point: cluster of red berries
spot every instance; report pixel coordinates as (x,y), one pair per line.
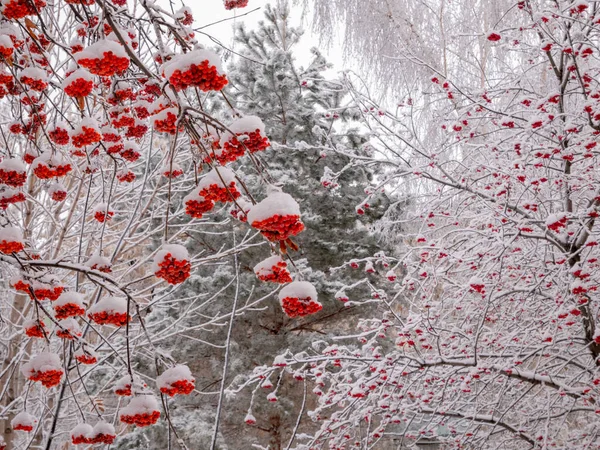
(141,420)
(23,427)
(558,224)
(16,197)
(8,247)
(126,177)
(59,136)
(218,193)
(136,131)
(110,318)
(197,207)
(48,378)
(85,358)
(67,334)
(102,438)
(166,125)
(48,292)
(279,228)
(99,438)
(173,174)
(107,66)
(130,154)
(21,285)
(13,178)
(36,331)
(113,149)
(79,88)
(299,307)
(101,268)
(172,270)
(17,9)
(58,195)
(102,216)
(122,120)
(188,19)
(203,76)
(184,387)
(125,391)
(255,142)
(34,83)
(68,310)
(44,171)
(279,274)
(88,136)
(232,4)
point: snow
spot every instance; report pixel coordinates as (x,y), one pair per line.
(11,234)
(194,195)
(129,145)
(56,187)
(49,159)
(34,73)
(110,305)
(243,125)
(278,203)
(162,115)
(79,73)
(13,164)
(183,61)
(71,325)
(6,42)
(85,122)
(299,289)
(104,427)
(70,297)
(30,323)
(11,30)
(212,177)
(99,261)
(141,404)
(123,382)
(24,419)
(42,362)
(167,167)
(102,208)
(88,352)
(554,218)
(98,49)
(169,376)
(264,267)
(82,429)
(177,251)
